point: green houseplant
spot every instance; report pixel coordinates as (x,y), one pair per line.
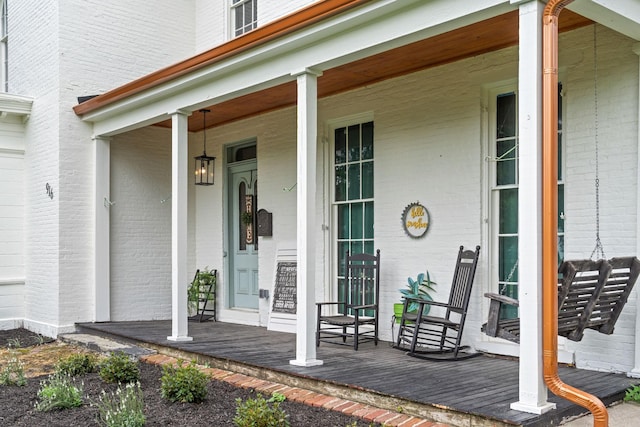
(199,289)
(416,289)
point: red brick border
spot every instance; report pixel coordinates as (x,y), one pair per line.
(307,397)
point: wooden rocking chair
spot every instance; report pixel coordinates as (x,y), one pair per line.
(591,295)
(434,337)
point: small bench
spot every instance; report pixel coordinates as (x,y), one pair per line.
(591,295)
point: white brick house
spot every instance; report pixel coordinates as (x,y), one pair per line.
(112,226)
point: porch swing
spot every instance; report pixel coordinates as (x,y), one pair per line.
(591,293)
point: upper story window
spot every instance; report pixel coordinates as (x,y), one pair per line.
(245,16)
(4,80)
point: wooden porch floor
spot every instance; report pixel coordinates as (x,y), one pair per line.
(476,391)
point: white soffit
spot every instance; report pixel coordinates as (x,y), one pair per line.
(622,16)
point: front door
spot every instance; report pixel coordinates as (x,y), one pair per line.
(243,246)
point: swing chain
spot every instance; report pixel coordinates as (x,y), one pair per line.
(504,285)
(598,250)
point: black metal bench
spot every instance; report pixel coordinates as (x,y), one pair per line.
(591,295)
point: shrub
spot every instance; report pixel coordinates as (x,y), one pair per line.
(13,372)
(184,383)
(258,413)
(77,364)
(58,392)
(632,394)
(119,368)
(124,408)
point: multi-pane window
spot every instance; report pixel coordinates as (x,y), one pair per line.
(353,194)
(4,74)
(245,15)
(505,195)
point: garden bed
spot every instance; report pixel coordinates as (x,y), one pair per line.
(39,356)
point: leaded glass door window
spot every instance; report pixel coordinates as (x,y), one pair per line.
(353,196)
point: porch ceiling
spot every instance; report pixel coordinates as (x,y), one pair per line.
(482,37)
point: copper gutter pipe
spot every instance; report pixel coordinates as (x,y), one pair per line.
(550,220)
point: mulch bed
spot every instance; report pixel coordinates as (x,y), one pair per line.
(17,403)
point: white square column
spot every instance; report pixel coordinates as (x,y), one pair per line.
(102,290)
(532,390)
(179,189)
(306,217)
(635,372)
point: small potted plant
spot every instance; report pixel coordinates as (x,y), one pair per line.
(199,291)
(416,289)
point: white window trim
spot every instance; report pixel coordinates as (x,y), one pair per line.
(330,209)
(4,51)
(232,17)
(489,94)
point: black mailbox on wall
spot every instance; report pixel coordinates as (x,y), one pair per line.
(265,223)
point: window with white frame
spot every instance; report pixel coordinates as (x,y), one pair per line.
(353,163)
(4,74)
(245,16)
(504,194)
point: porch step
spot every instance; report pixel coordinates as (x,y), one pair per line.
(102,344)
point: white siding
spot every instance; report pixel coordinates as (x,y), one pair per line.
(11,222)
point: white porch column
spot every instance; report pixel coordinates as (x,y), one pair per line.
(532,390)
(306,215)
(179,188)
(102,296)
(635,372)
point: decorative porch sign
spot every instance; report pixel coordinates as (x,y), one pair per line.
(284,294)
(415,220)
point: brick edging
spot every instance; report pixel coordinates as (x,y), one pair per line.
(307,397)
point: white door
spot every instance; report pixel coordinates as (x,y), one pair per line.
(243,247)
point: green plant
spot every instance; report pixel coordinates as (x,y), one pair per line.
(58,392)
(13,372)
(246,218)
(199,287)
(77,364)
(14,343)
(124,408)
(419,289)
(119,368)
(260,412)
(632,394)
(184,383)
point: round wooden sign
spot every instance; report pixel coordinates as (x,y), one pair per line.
(415,220)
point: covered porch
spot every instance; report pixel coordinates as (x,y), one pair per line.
(429,83)
(476,391)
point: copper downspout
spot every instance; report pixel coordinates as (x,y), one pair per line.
(550,220)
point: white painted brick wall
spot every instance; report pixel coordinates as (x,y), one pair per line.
(618,150)
(34,71)
(270,10)
(141,225)
(214,23)
(211,23)
(60,51)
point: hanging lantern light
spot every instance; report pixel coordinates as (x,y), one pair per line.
(205,166)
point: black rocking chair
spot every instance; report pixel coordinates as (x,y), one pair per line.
(358,313)
(438,337)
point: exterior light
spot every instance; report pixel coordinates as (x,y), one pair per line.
(204,166)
